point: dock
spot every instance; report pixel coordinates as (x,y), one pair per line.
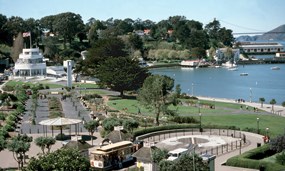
(262,61)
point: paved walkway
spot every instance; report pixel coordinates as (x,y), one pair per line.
(71,108)
(278,109)
(252,138)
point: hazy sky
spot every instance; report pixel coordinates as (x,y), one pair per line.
(238,15)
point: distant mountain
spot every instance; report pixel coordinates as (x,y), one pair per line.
(275,34)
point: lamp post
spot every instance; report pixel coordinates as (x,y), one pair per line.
(250,96)
(200,115)
(266,132)
(257,121)
(194,167)
(192,89)
(199,107)
(144,123)
(239,146)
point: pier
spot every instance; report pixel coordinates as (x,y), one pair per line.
(262,61)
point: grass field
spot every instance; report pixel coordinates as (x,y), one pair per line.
(225,114)
(51,85)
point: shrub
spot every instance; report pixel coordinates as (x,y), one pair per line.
(8,88)
(91,96)
(280,158)
(2,116)
(4,132)
(278,144)
(61,137)
(183,119)
(8,128)
(251,160)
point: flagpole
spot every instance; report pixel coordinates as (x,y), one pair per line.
(30,40)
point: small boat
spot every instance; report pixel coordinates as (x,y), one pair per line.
(244,74)
(275,68)
(233,69)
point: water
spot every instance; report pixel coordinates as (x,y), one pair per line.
(222,83)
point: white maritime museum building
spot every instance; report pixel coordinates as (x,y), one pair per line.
(30,63)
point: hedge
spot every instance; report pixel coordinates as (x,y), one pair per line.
(246,160)
(180,126)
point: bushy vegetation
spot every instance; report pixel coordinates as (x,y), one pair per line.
(183,119)
(252,159)
(55,108)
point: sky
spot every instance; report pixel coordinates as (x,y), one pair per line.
(241,16)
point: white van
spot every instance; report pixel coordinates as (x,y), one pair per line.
(175,154)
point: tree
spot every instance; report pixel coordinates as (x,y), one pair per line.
(18,45)
(92,35)
(158,155)
(68,25)
(61,159)
(213,28)
(121,74)
(4,34)
(91,126)
(19,145)
(130,124)
(51,48)
(136,42)
(47,23)
(198,53)
(14,26)
(262,100)
(272,102)
(198,39)
(45,142)
(104,49)
(125,26)
(2,143)
(277,144)
(33,27)
(155,94)
(184,161)
(225,36)
(182,32)
(109,124)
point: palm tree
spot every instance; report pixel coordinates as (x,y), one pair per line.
(261,100)
(272,102)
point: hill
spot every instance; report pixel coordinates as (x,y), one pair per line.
(275,34)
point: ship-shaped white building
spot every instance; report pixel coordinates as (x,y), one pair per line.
(30,63)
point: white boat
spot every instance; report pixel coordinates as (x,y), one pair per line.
(229,64)
(244,74)
(275,68)
(233,69)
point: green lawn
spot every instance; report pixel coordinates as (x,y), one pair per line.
(15,83)
(85,85)
(225,114)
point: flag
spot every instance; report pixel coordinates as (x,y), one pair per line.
(26,34)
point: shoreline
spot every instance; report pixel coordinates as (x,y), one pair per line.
(278,109)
